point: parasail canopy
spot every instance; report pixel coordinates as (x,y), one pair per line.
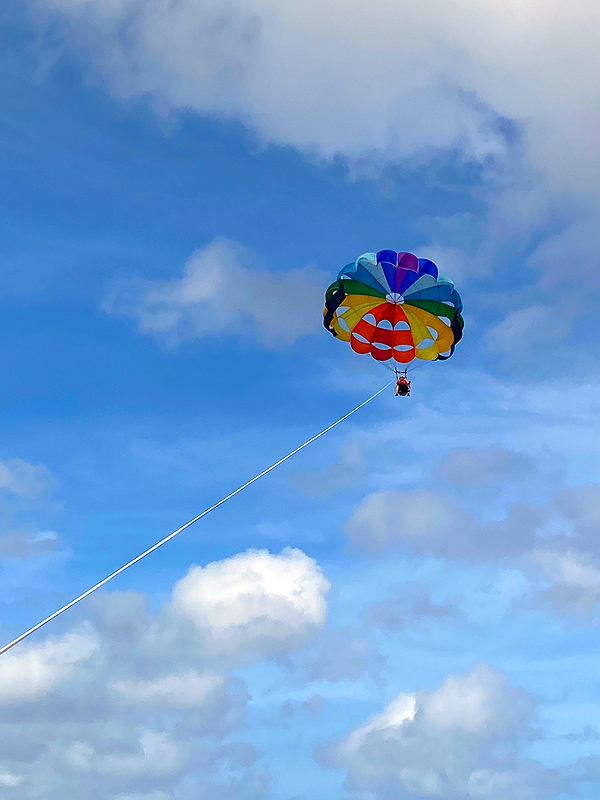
(395,305)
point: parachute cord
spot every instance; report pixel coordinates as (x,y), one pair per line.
(183,527)
(391,369)
(418,366)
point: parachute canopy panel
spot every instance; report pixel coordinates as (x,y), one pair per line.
(394,306)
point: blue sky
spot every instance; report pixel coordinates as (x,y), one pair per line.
(409,608)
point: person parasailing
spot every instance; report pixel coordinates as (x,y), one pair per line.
(402,385)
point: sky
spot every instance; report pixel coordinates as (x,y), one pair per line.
(407,609)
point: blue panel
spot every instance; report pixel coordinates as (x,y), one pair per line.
(425,265)
(409,277)
(388,257)
(348,270)
(442,292)
(364,276)
(391,273)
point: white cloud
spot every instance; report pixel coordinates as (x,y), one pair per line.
(423,520)
(572,568)
(136,706)
(574,581)
(463,740)
(21,545)
(36,669)
(223,290)
(567,567)
(186,689)
(428,522)
(157,754)
(310,76)
(8,779)
(509,85)
(255,601)
(353,79)
(24,480)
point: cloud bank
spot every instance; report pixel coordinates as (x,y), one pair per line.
(344,78)
(138,705)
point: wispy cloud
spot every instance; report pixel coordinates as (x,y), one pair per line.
(223,291)
(27,481)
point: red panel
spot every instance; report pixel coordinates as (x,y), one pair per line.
(381,355)
(404,356)
(358,346)
(393,314)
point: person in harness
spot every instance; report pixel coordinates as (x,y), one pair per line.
(402,386)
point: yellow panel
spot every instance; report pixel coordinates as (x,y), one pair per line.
(419,321)
(358,305)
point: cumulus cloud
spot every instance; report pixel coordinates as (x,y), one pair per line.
(9,780)
(35,670)
(464,740)
(309,76)
(255,601)
(555,544)
(136,704)
(223,290)
(564,565)
(511,86)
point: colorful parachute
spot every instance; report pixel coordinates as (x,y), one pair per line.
(395,305)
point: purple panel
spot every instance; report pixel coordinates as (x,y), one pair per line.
(408,261)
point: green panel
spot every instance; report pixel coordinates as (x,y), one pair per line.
(434,307)
(355,287)
(332,289)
